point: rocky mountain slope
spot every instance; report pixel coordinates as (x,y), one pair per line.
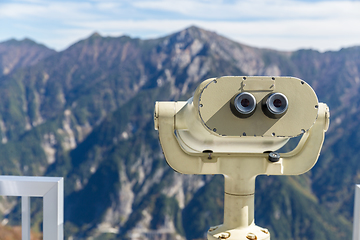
(17,54)
(86,114)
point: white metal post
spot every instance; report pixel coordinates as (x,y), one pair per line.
(25,217)
(53,214)
(356,226)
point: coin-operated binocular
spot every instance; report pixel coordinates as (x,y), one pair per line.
(233,126)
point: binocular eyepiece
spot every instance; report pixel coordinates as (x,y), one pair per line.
(243,105)
(274,105)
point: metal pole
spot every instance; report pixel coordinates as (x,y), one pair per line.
(25,218)
(238,206)
(356,226)
(53,214)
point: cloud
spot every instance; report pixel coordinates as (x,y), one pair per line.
(279,24)
(44,10)
(256,9)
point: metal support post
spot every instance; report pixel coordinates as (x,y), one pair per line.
(25,218)
(356,226)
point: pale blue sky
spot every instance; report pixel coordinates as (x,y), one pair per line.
(278,24)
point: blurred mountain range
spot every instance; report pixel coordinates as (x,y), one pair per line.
(86,114)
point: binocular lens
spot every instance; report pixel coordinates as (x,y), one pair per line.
(276,105)
(244,105)
(245,102)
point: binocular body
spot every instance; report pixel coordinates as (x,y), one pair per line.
(244,114)
(232,126)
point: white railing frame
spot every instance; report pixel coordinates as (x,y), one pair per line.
(51,189)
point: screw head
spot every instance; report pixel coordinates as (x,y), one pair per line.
(251,236)
(274,157)
(224,235)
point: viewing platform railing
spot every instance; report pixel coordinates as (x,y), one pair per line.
(51,189)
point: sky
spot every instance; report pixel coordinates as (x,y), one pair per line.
(277,24)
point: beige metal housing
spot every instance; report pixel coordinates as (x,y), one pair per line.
(206,122)
(191,146)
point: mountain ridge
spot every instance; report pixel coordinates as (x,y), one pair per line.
(15,54)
